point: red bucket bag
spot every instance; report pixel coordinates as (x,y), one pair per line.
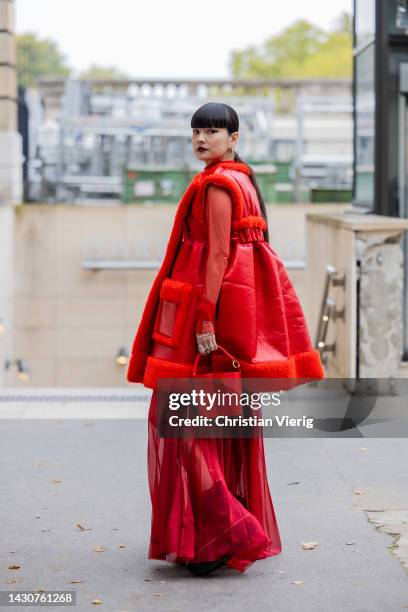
(225,386)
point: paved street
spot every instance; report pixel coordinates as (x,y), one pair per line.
(73,479)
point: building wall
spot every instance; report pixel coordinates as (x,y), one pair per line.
(6,287)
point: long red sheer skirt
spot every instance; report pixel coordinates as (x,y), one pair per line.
(210,497)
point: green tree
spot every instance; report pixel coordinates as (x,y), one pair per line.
(334,58)
(302,50)
(38,57)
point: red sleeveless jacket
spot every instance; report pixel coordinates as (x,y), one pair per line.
(258,318)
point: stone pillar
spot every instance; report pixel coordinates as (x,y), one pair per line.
(10,140)
(10,181)
(367,250)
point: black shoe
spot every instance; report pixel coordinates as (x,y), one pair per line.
(201,569)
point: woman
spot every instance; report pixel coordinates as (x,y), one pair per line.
(220,282)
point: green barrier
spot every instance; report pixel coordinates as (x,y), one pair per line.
(319,196)
(156,184)
(162,184)
(167,184)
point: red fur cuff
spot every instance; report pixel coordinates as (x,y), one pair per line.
(204,327)
(250,221)
(205,312)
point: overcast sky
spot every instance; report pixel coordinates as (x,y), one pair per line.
(165,38)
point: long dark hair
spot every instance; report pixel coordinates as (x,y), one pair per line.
(218,114)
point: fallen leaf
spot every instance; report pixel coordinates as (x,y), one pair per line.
(374,509)
(83,528)
(99,549)
(56,480)
(40,590)
(309,545)
(297,582)
(121,545)
(158,594)
(97,601)
(147,579)
(350,543)
(74,581)
(14,566)
(359,492)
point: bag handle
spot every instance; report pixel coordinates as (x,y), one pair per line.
(235,362)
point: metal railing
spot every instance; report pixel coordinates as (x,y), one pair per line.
(329,312)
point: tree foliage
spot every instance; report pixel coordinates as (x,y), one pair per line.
(302,50)
(38,57)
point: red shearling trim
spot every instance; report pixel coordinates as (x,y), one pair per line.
(301,365)
(174,290)
(250,221)
(162,368)
(206,311)
(299,368)
(229,165)
(179,292)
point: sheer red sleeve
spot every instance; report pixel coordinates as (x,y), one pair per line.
(218,210)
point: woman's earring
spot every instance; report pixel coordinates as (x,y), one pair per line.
(229,150)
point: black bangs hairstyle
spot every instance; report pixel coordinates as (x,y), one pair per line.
(220,115)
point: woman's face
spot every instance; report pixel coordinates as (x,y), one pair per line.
(213,143)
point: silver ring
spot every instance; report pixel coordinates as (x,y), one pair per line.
(208,349)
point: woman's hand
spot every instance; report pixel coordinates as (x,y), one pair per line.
(206,341)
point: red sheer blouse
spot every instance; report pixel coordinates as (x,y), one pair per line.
(218,211)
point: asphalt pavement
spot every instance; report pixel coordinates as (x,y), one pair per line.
(75,515)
